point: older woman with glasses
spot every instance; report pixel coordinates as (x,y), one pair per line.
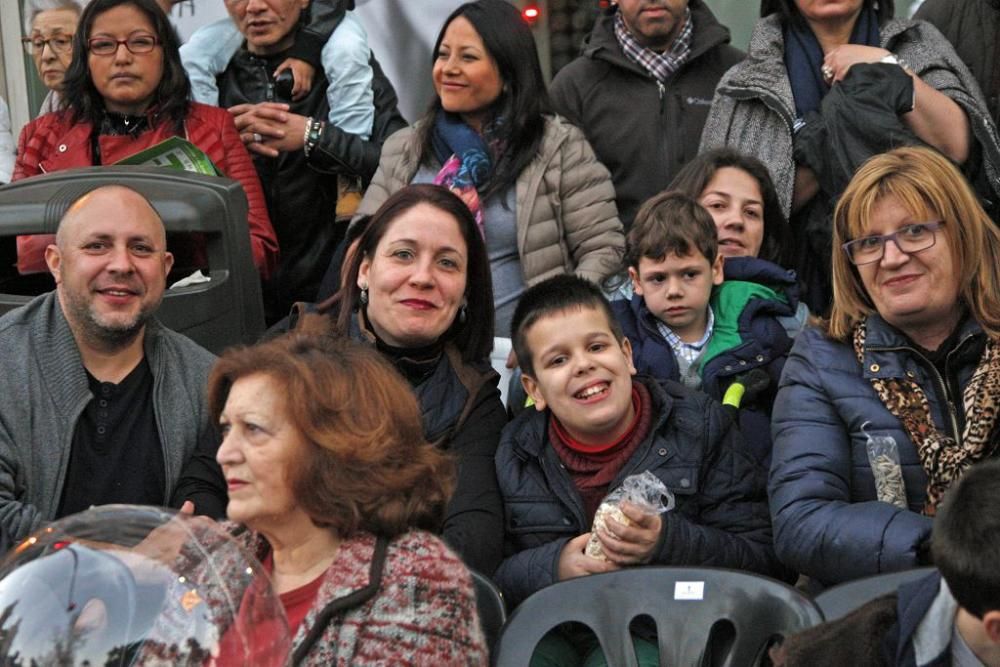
(125,91)
(49,26)
(883,408)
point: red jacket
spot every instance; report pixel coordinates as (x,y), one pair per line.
(52,143)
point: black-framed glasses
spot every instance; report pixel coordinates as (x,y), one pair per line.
(58,43)
(909,239)
(137,44)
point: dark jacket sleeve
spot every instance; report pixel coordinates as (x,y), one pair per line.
(239,166)
(725,523)
(342,152)
(529,570)
(818,530)
(474,522)
(536,524)
(201,480)
(324,17)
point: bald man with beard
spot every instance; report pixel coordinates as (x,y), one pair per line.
(99,402)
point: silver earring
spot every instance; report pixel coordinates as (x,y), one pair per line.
(462,314)
(364,295)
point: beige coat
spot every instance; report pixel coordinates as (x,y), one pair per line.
(567,221)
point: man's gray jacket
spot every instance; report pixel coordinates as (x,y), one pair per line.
(43,392)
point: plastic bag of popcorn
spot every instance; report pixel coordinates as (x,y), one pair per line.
(644,490)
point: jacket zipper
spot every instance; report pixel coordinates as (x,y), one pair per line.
(560,476)
(938,379)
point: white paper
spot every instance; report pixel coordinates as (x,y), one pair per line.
(689,590)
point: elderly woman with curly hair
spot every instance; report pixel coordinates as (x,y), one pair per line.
(337,490)
(883,409)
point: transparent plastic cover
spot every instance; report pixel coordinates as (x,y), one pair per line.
(123,585)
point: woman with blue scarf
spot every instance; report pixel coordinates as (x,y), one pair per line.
(829,83)
(541,200)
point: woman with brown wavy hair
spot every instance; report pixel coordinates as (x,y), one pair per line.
(338,488)
(883,410)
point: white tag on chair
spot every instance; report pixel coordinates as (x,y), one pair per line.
(689,590)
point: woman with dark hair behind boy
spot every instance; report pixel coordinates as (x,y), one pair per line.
(418,289)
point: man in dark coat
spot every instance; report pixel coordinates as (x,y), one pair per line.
(641,90)
(298,154)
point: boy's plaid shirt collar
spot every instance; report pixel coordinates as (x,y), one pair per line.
(688,351)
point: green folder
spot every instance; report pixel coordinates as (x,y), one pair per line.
(174,153)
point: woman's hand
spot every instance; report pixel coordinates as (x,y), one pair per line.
(631,545)
(573,562)
(838,61)
(268,128)
(935,118)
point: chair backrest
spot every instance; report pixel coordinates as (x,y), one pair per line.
(225,311)
(842,599)
(698,612)
(491,606)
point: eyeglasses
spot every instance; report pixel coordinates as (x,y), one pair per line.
(137,44)
(909,239)
(58,43)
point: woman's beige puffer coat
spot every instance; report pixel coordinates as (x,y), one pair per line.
(567,221)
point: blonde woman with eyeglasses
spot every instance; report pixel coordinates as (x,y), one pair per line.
(124,91)
(885,406)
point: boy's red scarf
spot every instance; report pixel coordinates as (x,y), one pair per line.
(592,467)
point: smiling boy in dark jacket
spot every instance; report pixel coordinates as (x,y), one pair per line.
(596,424)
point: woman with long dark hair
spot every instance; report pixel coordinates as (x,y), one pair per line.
(541,200)
(125,91)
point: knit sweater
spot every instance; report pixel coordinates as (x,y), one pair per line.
(754,109)
(44,390)
(415,607)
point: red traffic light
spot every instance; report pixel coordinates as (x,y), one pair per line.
(531,13)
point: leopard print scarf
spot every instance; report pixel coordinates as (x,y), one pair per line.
(942,458)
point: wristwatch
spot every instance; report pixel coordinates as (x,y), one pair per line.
(892,59)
